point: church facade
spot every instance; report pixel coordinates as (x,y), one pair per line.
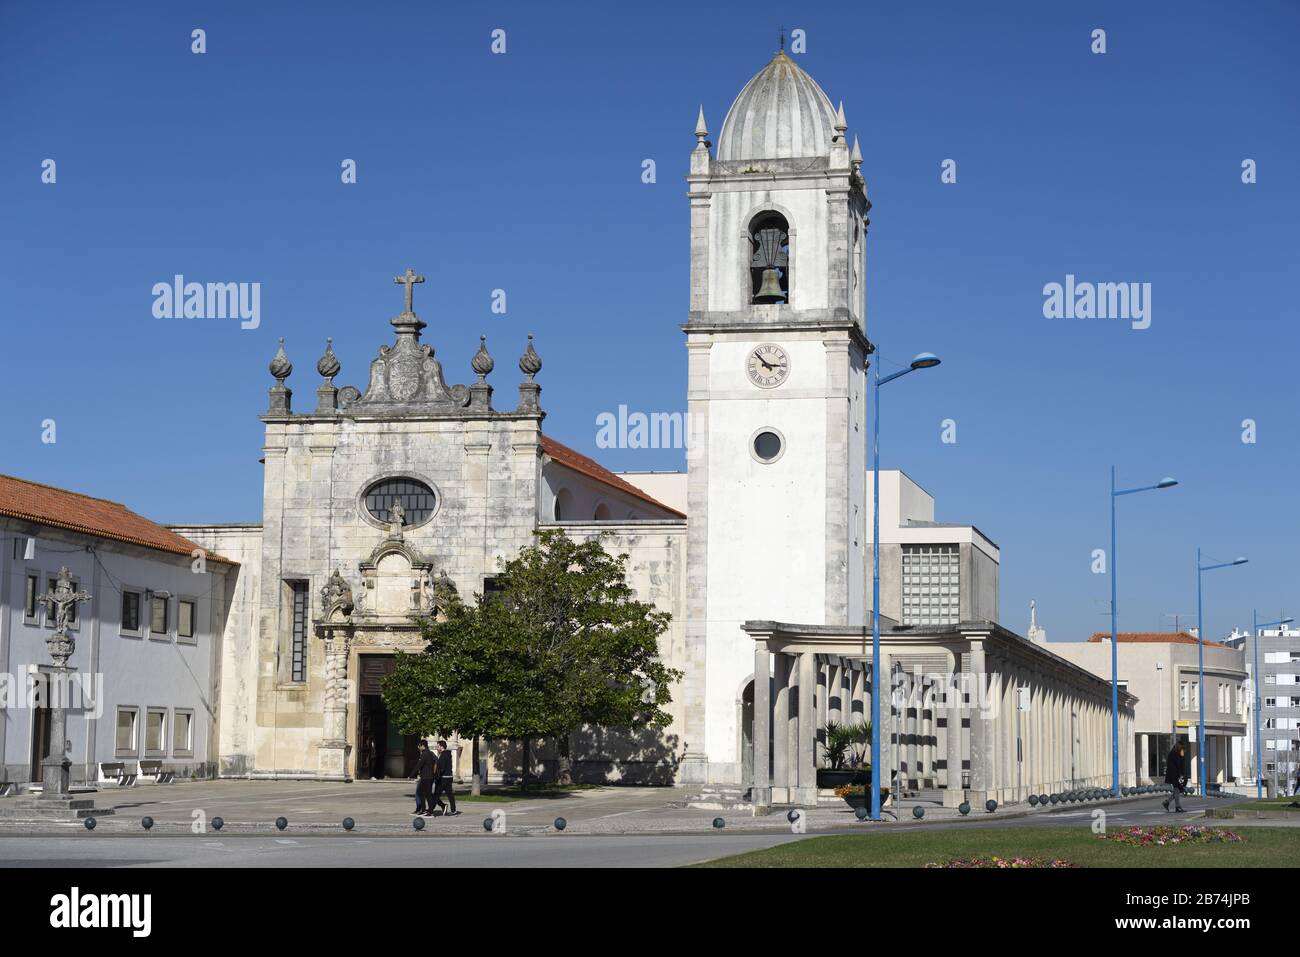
(375,496)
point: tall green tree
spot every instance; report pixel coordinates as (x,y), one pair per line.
(561,642)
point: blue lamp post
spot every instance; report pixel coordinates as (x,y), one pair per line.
(925,360)
(1256,626)
(1200,662)
(1114,624)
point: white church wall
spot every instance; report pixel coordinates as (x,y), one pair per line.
(236,686)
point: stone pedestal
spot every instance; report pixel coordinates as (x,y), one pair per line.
(49,807)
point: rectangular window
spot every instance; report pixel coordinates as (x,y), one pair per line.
(1184,695)
(158,617)
(301,609)
(182,725)
(131,612)
(155,728)
(931,585)
(29,605)
(1196,694)
(185,619)
(127,720)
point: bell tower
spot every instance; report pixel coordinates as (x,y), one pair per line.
(777,356)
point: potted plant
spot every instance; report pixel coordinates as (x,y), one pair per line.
(845,754)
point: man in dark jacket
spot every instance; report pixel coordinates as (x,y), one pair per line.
(443,783)
(425,769)
(1175,774)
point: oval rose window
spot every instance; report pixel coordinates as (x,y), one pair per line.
(418,501)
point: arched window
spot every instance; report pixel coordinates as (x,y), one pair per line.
(563,505)
(418,501)
(769,262)
(602,513)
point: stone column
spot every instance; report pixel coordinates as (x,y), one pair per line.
(981,728)
(332,756)
(781,730)
(823,708)
(953,793)
(806,792)
(761,795)
(1144,742)
(835,709)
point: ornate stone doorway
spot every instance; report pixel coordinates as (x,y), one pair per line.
(381,750)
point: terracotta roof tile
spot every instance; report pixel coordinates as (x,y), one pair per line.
(1169,637)
(59,508)
(592,469)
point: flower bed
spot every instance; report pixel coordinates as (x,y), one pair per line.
(1166,834)
(1002,862)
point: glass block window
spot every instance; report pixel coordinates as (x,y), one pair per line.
(418,500)
(931,585)
(299,649)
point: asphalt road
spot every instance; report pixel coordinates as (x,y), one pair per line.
(658,850)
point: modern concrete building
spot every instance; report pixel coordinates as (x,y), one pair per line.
(1160,669)
(931,573)
(148,640)
(1279,715)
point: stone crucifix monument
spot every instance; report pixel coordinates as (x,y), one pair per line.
(56,800)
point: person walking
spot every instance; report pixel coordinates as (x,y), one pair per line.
(425,769)
(443,780)
(1175,774)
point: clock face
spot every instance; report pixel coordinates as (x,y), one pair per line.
(768,366)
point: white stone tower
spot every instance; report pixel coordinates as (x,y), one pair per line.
(777,352)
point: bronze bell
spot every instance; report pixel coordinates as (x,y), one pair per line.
(770,289)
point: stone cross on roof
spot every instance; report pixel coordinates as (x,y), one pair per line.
(409,281)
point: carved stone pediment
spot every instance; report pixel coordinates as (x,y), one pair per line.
(398,584)
(407,378)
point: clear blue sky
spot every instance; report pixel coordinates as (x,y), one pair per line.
(523,172)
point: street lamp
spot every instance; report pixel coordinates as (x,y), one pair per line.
(1200,661)
(926,360)
(1114,624)
(1256,626)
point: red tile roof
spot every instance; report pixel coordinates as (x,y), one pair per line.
(59,508)
(1169,637)
(592,469)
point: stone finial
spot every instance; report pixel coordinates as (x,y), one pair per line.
(701,131)
(327,396)
(530,363)
(329,364)
(482,363)
(281,395)
(480,393)
(841,124)
(281,368)
(856,156)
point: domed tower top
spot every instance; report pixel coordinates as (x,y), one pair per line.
(780,114)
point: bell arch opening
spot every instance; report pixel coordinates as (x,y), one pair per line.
(769,261)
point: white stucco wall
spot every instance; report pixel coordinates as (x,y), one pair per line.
(139,671)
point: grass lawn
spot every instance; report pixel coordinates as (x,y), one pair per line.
(1274,804)
(1263,847)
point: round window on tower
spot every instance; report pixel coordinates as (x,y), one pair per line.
(408,498)
(767,445)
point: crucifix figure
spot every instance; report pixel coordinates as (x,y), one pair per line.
(61,602)
(409,281)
